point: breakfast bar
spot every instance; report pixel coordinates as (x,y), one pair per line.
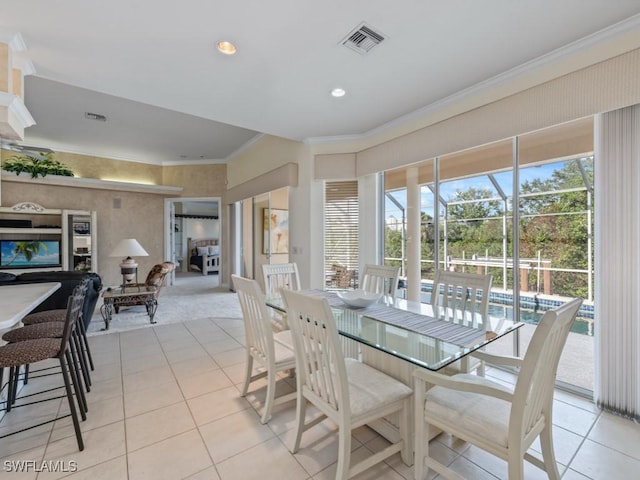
(16,301)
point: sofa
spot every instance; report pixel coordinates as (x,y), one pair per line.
(58,299)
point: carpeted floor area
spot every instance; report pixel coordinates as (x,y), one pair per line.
(191,297)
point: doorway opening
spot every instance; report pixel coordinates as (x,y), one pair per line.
(193,237)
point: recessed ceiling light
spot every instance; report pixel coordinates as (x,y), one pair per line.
(227,48)
(338,92)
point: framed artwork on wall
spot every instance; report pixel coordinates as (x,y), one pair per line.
(276,231)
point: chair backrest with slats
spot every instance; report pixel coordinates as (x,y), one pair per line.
(533,394)
(72,318)
(461,297)
(282,275)
(380,279)
(320,362)
(81,290)
(258,332)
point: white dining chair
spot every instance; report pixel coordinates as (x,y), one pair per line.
(347,391)
(380,279)
(270,350)
(463,298)
(502,421)
(278,276)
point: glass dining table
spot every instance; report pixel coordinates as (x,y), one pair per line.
(408,330)
(397,336)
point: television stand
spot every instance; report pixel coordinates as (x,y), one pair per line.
(74,230)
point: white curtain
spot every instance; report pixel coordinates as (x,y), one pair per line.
(617,261)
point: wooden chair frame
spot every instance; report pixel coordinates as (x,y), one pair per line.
(346,391)
(261,344)
(278,276)
(527,409)
(461,297)
(380,279)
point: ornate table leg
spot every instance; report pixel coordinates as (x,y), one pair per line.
(107,311)
(152,306)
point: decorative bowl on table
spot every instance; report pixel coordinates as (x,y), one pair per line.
(358,298)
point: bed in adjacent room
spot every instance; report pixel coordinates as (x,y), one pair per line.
(204,255)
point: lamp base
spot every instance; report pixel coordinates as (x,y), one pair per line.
(129,271)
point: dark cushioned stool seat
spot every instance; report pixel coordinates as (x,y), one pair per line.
(58,315)
(29,351)
(34,332)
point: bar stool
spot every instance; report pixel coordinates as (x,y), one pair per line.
(58,315)
(50,324)
(15,355)
(53,330)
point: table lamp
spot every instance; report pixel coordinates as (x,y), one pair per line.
(129,247)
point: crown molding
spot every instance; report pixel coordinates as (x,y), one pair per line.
(14,40)
(60,181)
(16,116)
(25,65)
(246,146)
(497,83)
(200,161)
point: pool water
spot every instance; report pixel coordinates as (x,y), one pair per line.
(582,325)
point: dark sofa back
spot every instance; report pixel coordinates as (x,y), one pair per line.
(68,281)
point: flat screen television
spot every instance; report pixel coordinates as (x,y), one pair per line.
(29,254)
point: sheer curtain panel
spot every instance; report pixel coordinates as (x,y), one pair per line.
(617,261)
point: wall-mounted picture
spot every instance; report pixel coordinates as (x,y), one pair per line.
(81,228)
(276,231)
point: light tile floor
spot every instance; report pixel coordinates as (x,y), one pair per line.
(165,404)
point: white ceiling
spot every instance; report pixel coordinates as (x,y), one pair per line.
(151,66)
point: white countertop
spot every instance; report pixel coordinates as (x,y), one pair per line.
(16,301)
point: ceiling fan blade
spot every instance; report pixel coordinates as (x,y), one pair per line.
(33,155)
(34,149)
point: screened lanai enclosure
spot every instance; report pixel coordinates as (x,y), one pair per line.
(476,228)
(520,209)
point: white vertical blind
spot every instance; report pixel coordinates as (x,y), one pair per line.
(341,242)
(617,258)
(341,214)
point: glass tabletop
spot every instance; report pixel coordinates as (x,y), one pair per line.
(408,330)
(129,290)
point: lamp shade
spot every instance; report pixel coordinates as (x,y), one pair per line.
(129,247)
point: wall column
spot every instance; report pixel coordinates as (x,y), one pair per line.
(413,235)
(369,248)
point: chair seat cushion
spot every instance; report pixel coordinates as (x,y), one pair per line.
(285,338)
(31,332)
(283,352)
(58,315)
(370,388)
(29,351)
(278,321)
(478,414)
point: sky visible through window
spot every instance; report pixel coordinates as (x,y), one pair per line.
(449,189)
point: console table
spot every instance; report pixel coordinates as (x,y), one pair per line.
(116,297)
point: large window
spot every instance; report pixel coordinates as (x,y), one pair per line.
(475,219)
(341,214)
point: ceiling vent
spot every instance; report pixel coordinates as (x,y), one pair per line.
(362,39)
(95,116)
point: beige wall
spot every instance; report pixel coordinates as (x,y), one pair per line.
(86,166)
(140,216)
(264,156)
(197,180)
